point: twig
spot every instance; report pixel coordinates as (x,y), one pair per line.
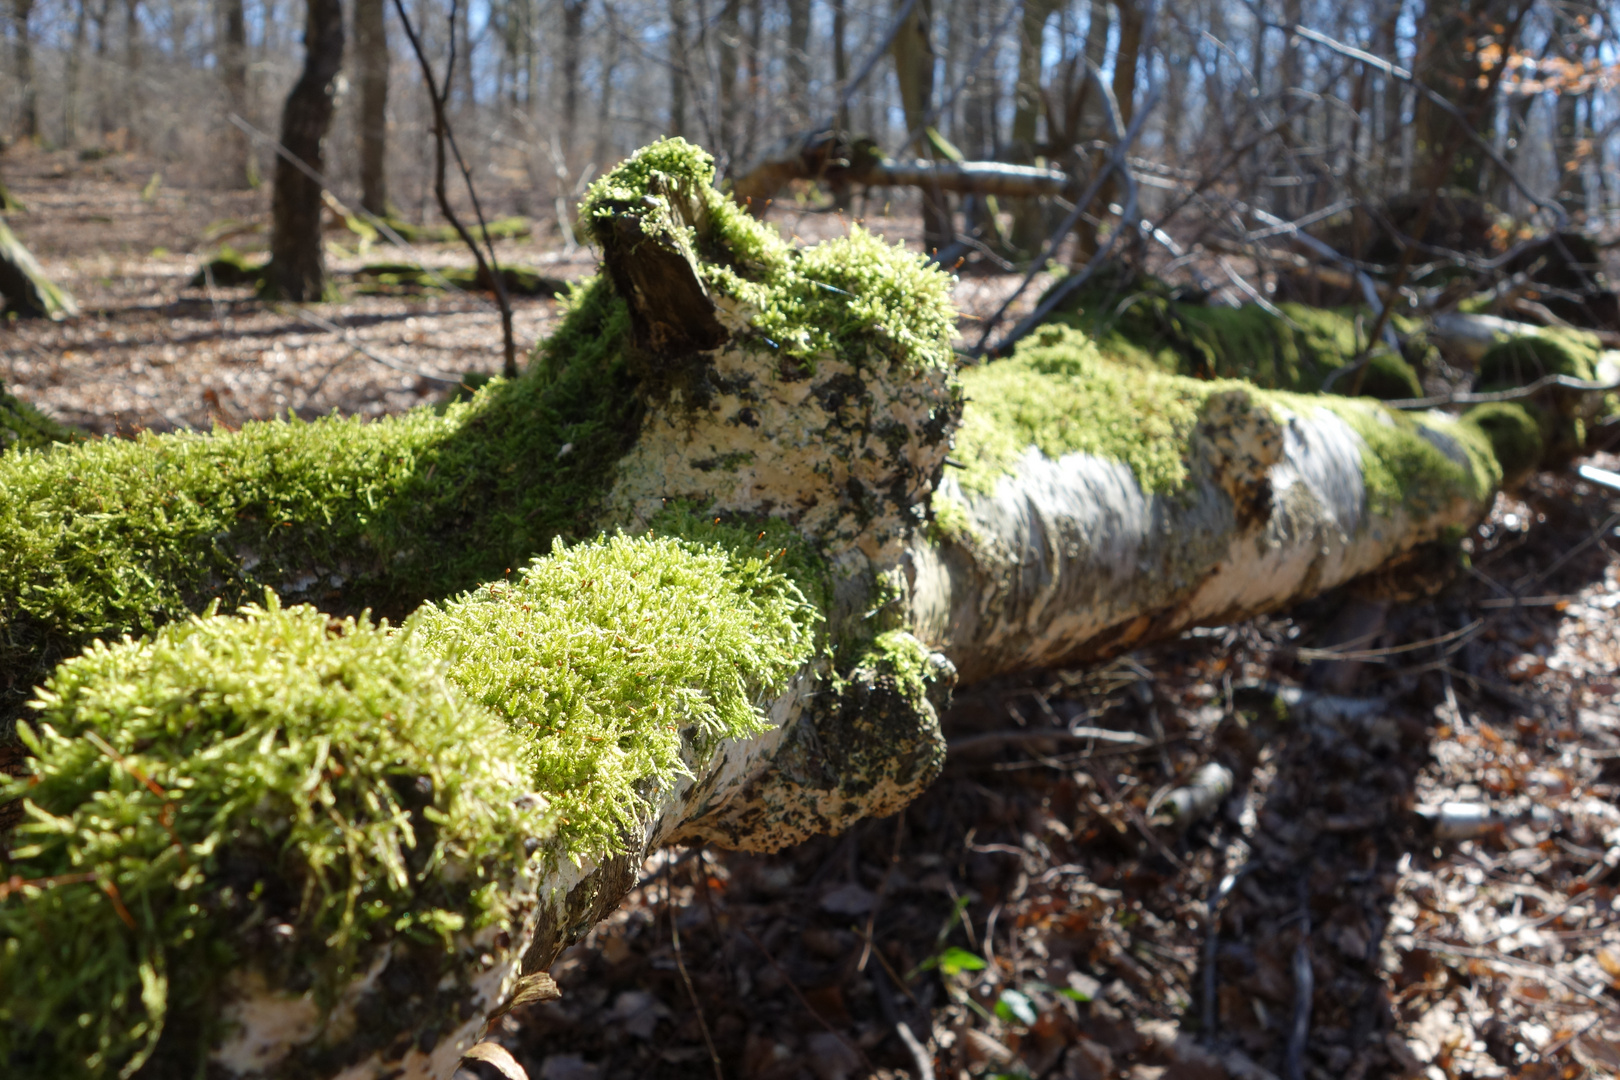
(380,224)
(1078,733)
(879,51)
(1491,956)
(919,1053)
(1116,163)
(1393,650)
(680,965)
(1208,1012)
(353,342)
(1299,1033)
(489,270)
(1403,75)
(1540,386)
(883,887)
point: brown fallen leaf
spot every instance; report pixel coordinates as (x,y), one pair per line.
(530,990)
(496,1055)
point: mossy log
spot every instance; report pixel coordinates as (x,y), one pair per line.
(25,290)
(767,566)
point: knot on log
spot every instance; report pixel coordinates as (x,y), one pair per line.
(649,249)
(865,750)
(1241,442)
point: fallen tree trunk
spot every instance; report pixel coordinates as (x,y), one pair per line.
(759,656)
(824,156)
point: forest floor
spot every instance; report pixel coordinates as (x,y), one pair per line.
(1418,877)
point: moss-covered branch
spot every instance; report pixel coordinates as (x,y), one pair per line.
(25,290)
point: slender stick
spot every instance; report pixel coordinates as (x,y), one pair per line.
(488,269)
(680,964)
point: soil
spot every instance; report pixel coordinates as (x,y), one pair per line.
(1415,872)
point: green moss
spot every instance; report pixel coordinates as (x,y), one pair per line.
(949,522)
(125,535)
(1059,394)
(1403,466)
(392,278)
(1559,415)
(282,791)
(26,428)
(1522,360)
(1515,436)
(603,656)
(229,268)
(1144,323)
(854,296)
(900,656)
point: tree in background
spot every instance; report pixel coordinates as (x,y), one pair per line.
(22,59)
(233,77)
(371,53)
(297,269)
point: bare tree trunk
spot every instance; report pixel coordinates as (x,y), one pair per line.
(1086,111)
(233,76)
(798,62)
(297,269)
(71,76)
(602,152)
(677,67)
(371,51)
(840,30)
(1449,63)
(914,56)
(1029,220)
(23,58)
(573,38)
(730,33)
(130,104)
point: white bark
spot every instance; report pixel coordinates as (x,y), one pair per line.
(1071,561)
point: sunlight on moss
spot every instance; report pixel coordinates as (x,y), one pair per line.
(229,776)
(602,656)
(1057,393)
(855,296)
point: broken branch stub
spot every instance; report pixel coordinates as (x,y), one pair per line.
(647,248)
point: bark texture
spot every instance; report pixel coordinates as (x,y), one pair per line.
(297,269)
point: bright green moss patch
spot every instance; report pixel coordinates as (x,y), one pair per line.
(1058,394)
(854,296)
(1403,465)
(602,656)
(1522,360)
(1144,323)
(1515,436)
(125,535)
(861,299)
(24,427)
(282,791)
